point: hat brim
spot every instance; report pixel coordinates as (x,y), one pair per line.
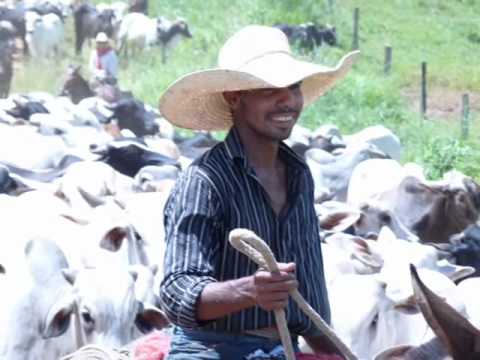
(196,100)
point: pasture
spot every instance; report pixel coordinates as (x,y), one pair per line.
(444,34)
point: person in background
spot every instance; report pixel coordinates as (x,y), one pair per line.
(103,63)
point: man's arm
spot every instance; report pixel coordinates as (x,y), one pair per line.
(267,290)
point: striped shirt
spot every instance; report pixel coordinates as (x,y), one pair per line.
(220,192)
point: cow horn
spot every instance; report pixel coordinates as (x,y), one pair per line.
(456,333)
(91,199)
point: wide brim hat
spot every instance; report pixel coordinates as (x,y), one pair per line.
(102,38)
(255,57)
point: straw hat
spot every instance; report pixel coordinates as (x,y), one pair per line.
(253,58)
(101,38)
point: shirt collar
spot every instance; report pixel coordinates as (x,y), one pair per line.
(236,151)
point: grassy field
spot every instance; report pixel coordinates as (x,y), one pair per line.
(444,33)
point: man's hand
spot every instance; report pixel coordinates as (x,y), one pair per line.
(270,290)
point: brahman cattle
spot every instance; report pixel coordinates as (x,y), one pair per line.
(138,32)
(45,34)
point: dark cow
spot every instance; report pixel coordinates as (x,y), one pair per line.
(465,248)
(309,35)
(433,212)
(25,108)
(75,86)
(131,114)
(128,156)
(89,22)
(140,6)
(17,18)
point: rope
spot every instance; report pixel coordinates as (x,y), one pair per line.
(248,243)
(94,352)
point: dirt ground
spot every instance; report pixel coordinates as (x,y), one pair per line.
(443,103)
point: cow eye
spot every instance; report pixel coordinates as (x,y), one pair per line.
(385,218)
(88,320)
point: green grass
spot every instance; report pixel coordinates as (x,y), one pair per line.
(444,33)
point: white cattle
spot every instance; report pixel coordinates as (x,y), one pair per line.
(377,321)
(40,306)
(36,305)
(378,135)
(334,172)
(138,31)
(49,150)
(45,34)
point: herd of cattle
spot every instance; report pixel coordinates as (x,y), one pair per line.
(83,187)
(40,26)
(84,177)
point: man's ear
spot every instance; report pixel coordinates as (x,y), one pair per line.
(232,98)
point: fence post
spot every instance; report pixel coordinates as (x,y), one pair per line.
(356,20)
(331,6)
(423,100)
(388,60)
(465,116)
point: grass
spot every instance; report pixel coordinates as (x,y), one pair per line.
(444,33)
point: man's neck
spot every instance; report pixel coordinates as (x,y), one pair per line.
(261,153)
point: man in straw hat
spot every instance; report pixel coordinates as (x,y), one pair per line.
(217,298)
(103,60)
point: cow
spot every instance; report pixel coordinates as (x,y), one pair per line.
(140,6)
(331,173)
(102,302)
(75,86)
(25,108)
(128,156)
(45,34)
(465,247)
(89,22)
(132,114)
(138,31)
(434,212)
(17,18)
(309,35)
(456,337)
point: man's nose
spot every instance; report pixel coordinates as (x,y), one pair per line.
(290,97)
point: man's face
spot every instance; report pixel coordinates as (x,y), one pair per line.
(269,113)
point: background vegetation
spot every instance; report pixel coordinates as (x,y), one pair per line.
(444,33)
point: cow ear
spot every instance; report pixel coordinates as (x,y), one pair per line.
(394,353)
(339,220)
(58,318)
(150,318)
(2,269)
(113,239)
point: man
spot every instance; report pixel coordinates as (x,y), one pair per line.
(103,60)
(219,301)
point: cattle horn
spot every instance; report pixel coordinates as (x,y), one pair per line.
(457,334)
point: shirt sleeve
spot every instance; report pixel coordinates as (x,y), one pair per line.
(191,235)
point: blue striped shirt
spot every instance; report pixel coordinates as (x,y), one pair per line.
(220,192)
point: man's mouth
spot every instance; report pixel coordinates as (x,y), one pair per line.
(284,118)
